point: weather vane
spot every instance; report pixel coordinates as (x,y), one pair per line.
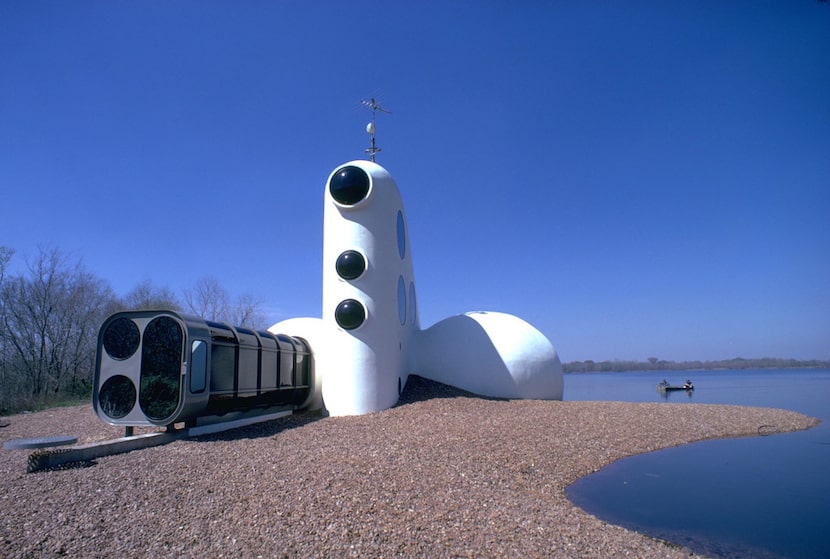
(370,128)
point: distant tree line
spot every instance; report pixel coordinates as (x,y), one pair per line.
(50,315)
(655,364)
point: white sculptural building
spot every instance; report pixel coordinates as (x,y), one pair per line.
(369,340)
(161,367)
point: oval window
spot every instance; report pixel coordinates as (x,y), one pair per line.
(401,235)
(401,300)
(161,365)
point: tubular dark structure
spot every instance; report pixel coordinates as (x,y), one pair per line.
(162,367)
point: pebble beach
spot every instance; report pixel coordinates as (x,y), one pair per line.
(442,474)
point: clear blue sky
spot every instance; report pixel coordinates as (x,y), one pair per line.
(634,178)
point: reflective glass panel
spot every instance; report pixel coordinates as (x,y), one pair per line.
(286,361)
(303,362)
(350,265)
(269,361)
(121,338)
(350,314)
(198,366)
(117,396)
(349,185)
(161,364)
(222,367)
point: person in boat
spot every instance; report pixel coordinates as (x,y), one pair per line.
(688,385)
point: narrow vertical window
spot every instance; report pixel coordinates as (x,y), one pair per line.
(401,235)
(198,366)
(401,300)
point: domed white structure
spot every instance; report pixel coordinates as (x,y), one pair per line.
(491,354)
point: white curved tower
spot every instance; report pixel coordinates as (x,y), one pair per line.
(368,290)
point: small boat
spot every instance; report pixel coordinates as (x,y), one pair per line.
(664,386)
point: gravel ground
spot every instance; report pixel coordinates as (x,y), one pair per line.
(442,474)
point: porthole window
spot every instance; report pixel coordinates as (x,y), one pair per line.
(117,396)
(349,185)
(401,300)
(350,314)
(121,338)
(350,265)
(401,235)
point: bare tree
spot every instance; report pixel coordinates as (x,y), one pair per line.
(210,300)
(50,319)
(248,312)
(146,296)
(5,255)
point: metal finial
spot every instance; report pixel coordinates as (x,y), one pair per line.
(370,128)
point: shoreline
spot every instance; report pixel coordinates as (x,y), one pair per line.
(581,367)
(442,474)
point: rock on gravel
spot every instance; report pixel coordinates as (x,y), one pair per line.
(443,474)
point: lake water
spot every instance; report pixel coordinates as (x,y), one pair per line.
(758,497)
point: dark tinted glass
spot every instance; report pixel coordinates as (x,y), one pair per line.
(117,396)
(303,372)
(222,367)
(349,314)
(286,360)
(121,338)
(349,185)
(161,362)
(350,265)
(198,366)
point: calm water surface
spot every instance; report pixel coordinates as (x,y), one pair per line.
(758,497)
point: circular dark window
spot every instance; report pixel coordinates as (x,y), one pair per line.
(350,314)
(350,265)
(121,338)
(349,185)
(117,396)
